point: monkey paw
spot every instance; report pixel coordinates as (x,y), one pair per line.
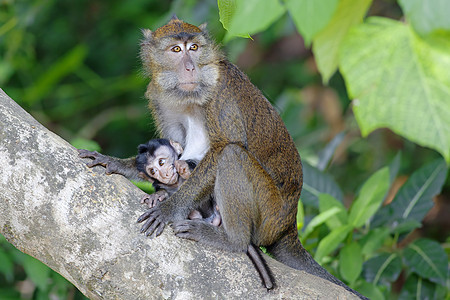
(98,159)
(190,229)
(182,168)
(152,199)
(155,221)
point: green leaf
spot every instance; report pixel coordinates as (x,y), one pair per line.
(399,81)
(418,288)
(331,241)
(370,290)
(427,16)
(320,219)
(6,265)
(47,80)
(414,199)
(243,18)
(81,143)
(384,268)
(428,259)
(374,240)
(370,198)
(327,43)
(37,272)
(316,183)
(327,202)
(310,17)
(350,262)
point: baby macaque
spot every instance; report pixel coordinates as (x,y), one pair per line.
(157,161)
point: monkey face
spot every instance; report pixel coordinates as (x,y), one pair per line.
(161,167)
(181,59)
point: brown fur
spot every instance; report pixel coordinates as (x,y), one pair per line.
(252,165)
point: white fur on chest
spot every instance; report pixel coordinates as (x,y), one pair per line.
(196,140)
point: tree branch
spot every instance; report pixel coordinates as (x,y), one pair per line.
(81,223)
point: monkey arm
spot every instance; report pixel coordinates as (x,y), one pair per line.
(113,165)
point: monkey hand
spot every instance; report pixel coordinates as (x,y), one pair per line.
(156,218)
(152,199)
(182,168)
(99,159)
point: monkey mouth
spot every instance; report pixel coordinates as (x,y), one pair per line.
(173,179)
(188,86)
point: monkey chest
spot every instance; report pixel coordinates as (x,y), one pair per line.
(196,138)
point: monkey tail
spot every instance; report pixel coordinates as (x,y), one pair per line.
(289,250)
(261,266)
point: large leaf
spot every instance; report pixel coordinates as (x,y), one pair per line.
(320,219)
(418,288)
(370,198)
(427,16)
(428,259)
(242,18)
(328,202)
(331,241)
(311,16)
(384,268)
(414,199)
(350,262)
(374,240)
(400,82)
(326,44)
(316,183)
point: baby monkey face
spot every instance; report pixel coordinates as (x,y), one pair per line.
(161,167)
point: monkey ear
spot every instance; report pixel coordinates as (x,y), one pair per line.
(147,33)
(142,148)
(177,147)
(203,26)
(174,17)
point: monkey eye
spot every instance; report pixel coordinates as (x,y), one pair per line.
(176,49)
(161,162)
(194,47)
(152,171)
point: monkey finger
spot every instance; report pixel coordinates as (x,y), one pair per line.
(146,225)
(154,226)
(159,229)
(85,153)
(145,216)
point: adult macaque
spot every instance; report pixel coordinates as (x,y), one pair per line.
(247,158)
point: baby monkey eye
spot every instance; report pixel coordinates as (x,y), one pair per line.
(162,162)
(176,49)
(152,172)
(194,47)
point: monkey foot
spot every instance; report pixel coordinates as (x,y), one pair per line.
(152,199)
(190,229)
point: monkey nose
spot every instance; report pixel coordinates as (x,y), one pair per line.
(189,66)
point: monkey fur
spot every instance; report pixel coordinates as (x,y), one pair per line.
(246,156)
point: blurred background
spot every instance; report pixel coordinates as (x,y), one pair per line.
(74,66)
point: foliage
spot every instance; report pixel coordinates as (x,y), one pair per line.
(73,65)
(385,63)
(370,238)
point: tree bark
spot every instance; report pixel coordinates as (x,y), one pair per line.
(82,224)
